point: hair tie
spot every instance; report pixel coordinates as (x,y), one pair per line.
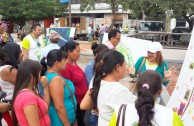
(101,62)
(146,86)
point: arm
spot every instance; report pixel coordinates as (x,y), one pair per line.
(57,94)
(89,73)
(8,75)
(86,103)
(137,65)
(25,48)
(25,53)
(166,74)
(31,113)
(46,90)
(4,107)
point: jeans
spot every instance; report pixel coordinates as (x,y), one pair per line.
(101,37)
(90,37)
(93,120)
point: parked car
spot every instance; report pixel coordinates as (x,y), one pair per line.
(179,30)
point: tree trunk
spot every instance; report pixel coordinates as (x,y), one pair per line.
(190,22)
(114,10)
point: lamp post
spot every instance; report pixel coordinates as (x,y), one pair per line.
(69,13)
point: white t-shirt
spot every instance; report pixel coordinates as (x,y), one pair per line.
(7,86)
(111,95)
(89,30)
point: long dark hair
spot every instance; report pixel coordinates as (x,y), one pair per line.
(69,46)
(53,56)
(3,57)
(96,48)
(13,51)
(145,101)
(109,61)
(26,70)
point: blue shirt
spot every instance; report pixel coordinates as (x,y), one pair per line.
(48,48)
(89,71)
(68,102)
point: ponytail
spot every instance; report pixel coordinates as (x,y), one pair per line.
(144,105)
(44,66)
(96,83)
(148,83)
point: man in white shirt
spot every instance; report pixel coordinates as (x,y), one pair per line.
(102,31)
(54,39)
(32,43)
(90,32)
(114,37)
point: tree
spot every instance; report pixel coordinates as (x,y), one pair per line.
(86,5)
(22,10)
(157,8)
(180,8)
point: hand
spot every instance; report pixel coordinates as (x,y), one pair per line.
(44,81)
(167,73)
(131,70)
(4,107)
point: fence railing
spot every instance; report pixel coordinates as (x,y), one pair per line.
(165,38)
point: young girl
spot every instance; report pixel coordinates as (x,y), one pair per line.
(145,112)
(107,93)
(29,109)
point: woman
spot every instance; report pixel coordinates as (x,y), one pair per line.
(107,92)
(89,70)
(63,103)
(145,112)
(75,74)
(86,103)
(10,58)
(153,61)
(29,109)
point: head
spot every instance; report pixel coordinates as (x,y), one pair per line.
(54,37)
(100,55)
(96,48)
(72,49)
(36,29)
(23,35)
(149,87)
(102,24)
(14,53)
(154,51)
(114,37)
(28,76)
(55,58)
(112,63)
(4,26)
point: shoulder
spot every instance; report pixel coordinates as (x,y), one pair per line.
(25,98)
(26,42)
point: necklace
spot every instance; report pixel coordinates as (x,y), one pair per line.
(36,41)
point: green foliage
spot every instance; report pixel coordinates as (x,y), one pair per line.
(20,10)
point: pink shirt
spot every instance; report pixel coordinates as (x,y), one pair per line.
(26,98)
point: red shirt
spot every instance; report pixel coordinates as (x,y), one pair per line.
(75,74)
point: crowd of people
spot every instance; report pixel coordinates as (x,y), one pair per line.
(46,87)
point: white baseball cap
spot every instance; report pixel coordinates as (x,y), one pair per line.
(154,47)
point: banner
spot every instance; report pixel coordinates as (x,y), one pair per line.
(182,99)
(64,1)
(66,33)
